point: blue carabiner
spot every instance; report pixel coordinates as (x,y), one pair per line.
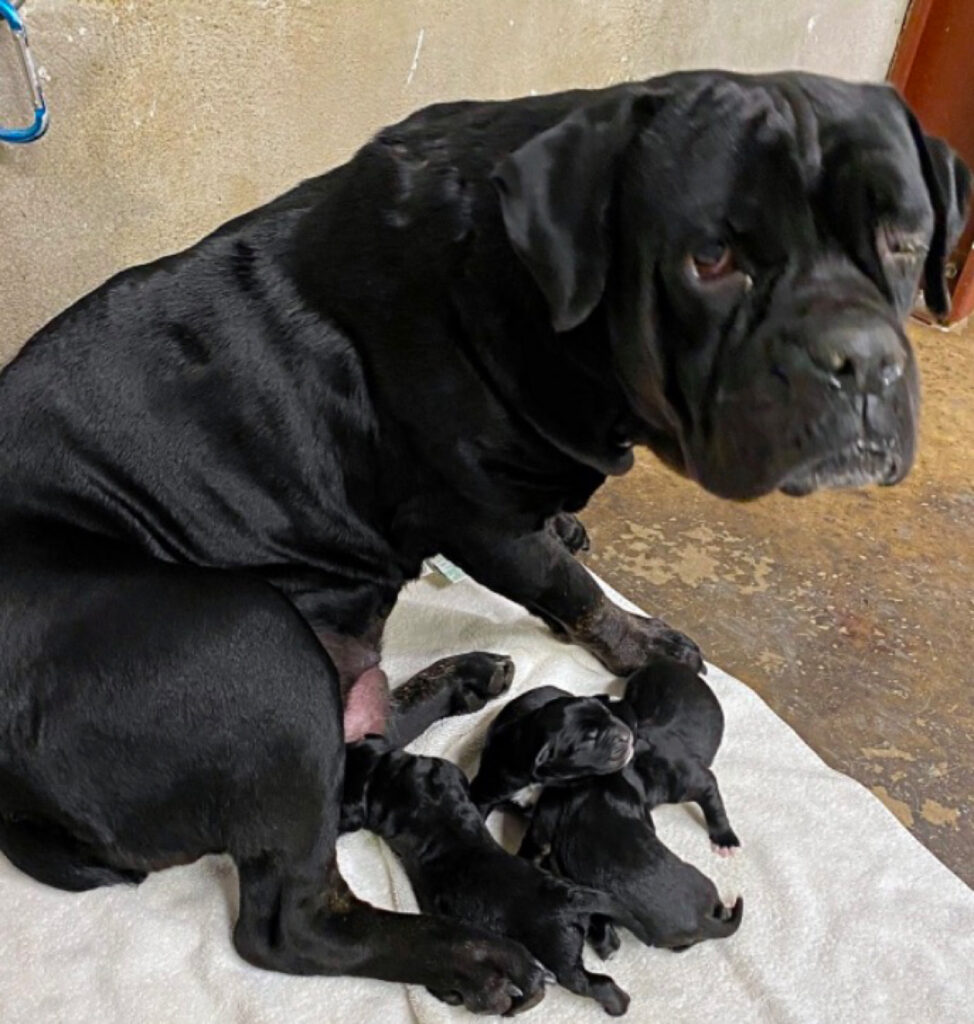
(32,131)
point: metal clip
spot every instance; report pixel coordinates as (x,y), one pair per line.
(8,11)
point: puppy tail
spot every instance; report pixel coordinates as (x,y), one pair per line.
(724,921)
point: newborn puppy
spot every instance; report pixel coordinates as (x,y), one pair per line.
(599,833)
(545,737)
(421,806)
(679,725)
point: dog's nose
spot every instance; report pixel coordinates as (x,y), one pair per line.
(867,357)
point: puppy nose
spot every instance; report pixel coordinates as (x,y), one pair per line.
(866,357)
(621,738)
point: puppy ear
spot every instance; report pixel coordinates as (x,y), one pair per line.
(543,756)
(948,182)
(556,193)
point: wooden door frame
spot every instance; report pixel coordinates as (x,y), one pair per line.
(914,53)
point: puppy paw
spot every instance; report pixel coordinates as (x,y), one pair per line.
(471,680)
(725,844)
(480,677)
(603,938)
(614,1000)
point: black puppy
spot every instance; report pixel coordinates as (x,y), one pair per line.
(422,807)
(544,737)
(680,726)
(599,833)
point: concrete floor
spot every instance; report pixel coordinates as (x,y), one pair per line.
(850,613)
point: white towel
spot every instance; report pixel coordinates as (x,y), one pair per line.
(847,918)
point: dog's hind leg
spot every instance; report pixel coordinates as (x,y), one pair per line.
(562,952)
(600,987)
(704,791)
(603,937)
(55,857)
(457,685)
(297,915)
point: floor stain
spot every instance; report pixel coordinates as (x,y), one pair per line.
(937,814)
(891,752)
(898,807)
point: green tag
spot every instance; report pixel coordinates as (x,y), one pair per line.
(450,572)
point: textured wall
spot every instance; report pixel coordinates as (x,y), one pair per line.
(169,116)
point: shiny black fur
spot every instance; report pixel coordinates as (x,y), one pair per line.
(218,470)
(680,726)
(544,737)
(599,833)
(422,807)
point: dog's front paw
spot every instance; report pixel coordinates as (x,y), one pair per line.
(725,844)
(570,531)
(477,678)
(495,976)
(652,637)
(624,642)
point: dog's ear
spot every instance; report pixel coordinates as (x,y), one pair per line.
(948,182)
(544,755)
(556,193)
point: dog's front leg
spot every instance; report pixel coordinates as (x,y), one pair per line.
(457,685)
(537,571)
(306,922)
(706,793)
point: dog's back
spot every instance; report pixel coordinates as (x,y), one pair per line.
(675,708)
(599,835)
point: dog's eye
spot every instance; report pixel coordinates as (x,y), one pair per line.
(712,260)
(591,735)
(899,246)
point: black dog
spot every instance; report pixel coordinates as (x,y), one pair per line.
(544,737)
(218,470)
(599,833)
(680,726)
(422,806)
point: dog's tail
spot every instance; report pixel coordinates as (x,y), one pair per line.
(724,921)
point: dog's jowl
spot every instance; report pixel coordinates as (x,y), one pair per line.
(218,470)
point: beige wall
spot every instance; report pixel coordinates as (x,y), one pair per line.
(169,116)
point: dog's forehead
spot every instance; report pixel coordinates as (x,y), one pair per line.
(755,144)
(587,711)
(712,114)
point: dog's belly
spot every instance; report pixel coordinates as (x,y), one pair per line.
(366,705)
(364,686)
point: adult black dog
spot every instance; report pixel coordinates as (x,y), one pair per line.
(218,467)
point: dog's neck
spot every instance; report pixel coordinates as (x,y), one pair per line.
(557,409)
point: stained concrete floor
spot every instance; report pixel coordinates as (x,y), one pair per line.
(851,613)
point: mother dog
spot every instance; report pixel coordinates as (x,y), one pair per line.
(218,470)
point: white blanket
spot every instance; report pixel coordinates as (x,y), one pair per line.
(847,918)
